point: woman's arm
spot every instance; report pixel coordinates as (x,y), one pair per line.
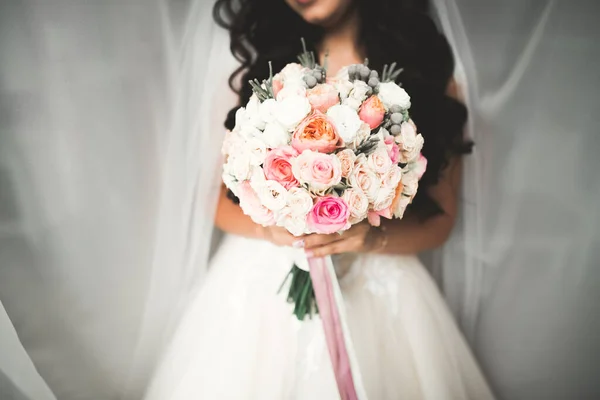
(410,235)
(230,218)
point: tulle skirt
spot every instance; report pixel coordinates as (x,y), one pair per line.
(239,339)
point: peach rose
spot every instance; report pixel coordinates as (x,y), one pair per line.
(347,158)
(319,171)
(365,178)
(372,112)
(322,96)
(278,166)
(316,132)
(277,84)
(379,160)
(358,204)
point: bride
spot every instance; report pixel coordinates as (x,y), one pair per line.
(238,338)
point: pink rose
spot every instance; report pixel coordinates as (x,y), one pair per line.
(421,166)
(278,166)
(277,84)
(319,171)
(347,158)
(329,215)
(393,149)
(323,96)
(316,132)
(372,112)
(358,204)
(251,205)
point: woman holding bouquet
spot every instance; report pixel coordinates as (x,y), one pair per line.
(239,339)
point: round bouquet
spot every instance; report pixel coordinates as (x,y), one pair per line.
(315,154)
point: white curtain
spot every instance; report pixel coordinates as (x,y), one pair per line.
(101,221)
(522,270)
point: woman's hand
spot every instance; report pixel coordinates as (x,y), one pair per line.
(278,236)
(360,238)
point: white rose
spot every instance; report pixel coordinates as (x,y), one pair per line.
(364,178)
(400,207)
(379,160)
(409,141)
(298,202)
(292,110)
(391,94)
(231,142)
(352,103)
(253,113)
(295,224)
(292,72)
(268,110)
(248,131)
(295,89)
(275,135)
(257,151)
(228,179)
(271,194)
(410,180)
(346,121)
(343,87)
(412,154)
(359,90)
(239,166)
(358,204)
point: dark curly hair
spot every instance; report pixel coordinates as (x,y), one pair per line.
(398,31)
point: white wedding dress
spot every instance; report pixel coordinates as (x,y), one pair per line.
(239,340)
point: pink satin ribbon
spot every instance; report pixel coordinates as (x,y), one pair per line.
(332,325)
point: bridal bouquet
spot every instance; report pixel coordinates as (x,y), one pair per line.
(317,155)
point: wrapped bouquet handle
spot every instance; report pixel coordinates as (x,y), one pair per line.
(339,343)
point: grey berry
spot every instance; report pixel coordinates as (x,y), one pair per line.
(352,70)
(311,81)
(374,74)
(397,118)
(373,82)
(365,72)
(318,75)
(395,109)
(395,129)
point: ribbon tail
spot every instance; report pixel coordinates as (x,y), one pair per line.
(331,309)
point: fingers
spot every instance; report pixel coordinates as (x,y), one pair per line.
(317,240)
(328,250)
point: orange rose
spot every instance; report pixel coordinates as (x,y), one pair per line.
(317,133)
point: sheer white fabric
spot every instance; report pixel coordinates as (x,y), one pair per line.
(90,165)
(521,270)
(93,164)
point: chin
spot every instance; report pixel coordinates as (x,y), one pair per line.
(320,12)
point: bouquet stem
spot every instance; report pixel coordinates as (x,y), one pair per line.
(301,293)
